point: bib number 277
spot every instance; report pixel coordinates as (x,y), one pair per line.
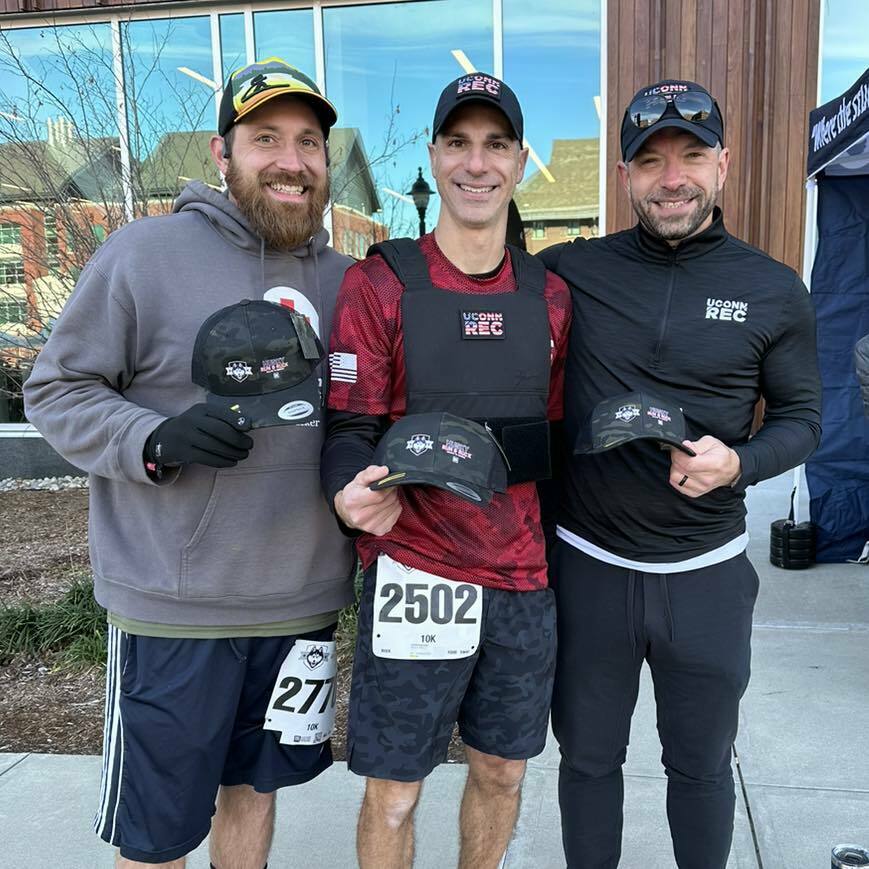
(302,705)
(315,687)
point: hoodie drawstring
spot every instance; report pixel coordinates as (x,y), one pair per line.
(324,367)
(262,263)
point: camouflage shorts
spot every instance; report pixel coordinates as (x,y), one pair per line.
(402,712)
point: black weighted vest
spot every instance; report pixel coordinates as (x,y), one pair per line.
(485,357)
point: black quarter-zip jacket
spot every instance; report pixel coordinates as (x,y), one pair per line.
(712,325)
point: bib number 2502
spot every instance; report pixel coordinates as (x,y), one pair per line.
(420,615)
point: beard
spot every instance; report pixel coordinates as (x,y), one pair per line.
(283,225)
(677,228)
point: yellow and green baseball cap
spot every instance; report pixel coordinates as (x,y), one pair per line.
(251,86)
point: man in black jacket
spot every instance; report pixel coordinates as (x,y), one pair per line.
(650,562)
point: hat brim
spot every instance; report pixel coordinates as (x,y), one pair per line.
(324,110)
(461,488)
(615,442)
(708,137)
(296,405)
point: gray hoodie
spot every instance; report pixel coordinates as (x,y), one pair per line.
(250,544)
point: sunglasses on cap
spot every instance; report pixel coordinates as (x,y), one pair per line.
(692,106)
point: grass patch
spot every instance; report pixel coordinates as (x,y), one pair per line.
(74,628)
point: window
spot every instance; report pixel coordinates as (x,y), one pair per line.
(11,272)
(10,233)
(552,61)
(386,65)
(51,248)
(288,34)
(232,48)
(169,71)
(843,51)
(13,311)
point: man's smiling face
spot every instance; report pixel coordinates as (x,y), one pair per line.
(276,173)
(476,162)
(673,183)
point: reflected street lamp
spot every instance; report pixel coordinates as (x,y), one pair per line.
(420,193)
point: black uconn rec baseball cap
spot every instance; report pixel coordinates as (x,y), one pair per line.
(259,361)
(442,450)
(478,87)
(685,105)
(630,417)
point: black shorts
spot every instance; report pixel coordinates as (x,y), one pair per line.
(402,712)
(184,716)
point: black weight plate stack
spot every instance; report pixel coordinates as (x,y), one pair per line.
(792,545)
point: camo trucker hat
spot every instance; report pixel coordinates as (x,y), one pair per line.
(259,361)
(254,84)
(442,450)
(630,417)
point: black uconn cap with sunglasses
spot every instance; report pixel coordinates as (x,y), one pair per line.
(671,103)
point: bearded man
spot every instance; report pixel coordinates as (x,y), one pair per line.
(650,562)
(213,550)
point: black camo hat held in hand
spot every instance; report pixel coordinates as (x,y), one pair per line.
(442,450)
(259,361)
(630,417)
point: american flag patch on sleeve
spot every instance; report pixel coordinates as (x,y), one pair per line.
(342,367)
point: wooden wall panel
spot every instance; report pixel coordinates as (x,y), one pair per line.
(759,59)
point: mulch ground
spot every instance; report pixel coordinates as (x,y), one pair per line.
(48,708)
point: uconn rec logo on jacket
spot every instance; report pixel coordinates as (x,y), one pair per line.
(726,309)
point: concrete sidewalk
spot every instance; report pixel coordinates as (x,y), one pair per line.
(802,772)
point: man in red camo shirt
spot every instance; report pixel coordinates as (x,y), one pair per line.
(400,349)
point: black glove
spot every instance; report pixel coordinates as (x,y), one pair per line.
(201,435)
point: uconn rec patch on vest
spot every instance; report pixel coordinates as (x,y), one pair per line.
(482,324)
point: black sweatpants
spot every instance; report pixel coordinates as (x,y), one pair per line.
(694,629)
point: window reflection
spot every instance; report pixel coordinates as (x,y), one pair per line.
(552,61)
(59,177)
(844,52)
(288,34)
(170,98)
(63,187)
(385,68)
(232,45)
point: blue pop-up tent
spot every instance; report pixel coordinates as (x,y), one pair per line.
(837,271)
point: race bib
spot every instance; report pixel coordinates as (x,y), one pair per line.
(418,615)
(302,706)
